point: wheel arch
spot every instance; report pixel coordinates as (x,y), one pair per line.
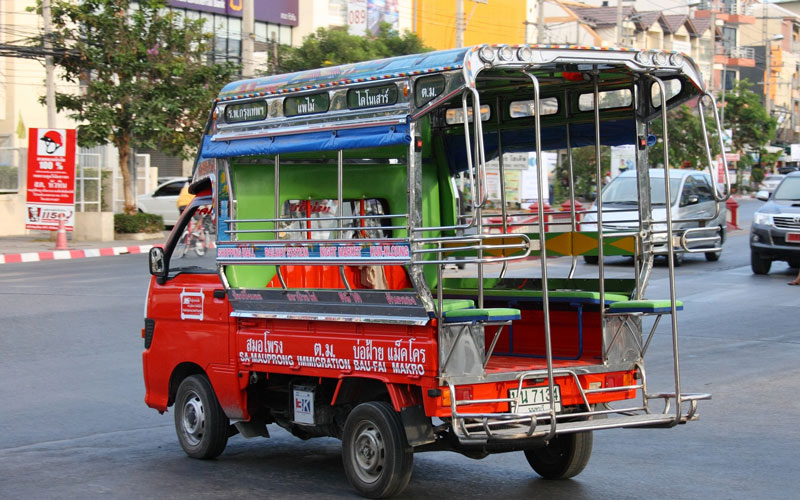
(179,373)
(360,389)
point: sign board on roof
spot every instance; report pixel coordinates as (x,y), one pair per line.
(273,11)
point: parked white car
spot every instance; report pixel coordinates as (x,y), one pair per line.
(163,200)
(692,198)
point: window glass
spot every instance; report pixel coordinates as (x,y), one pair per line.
(455,116)
(321,214)
(521,109)
(285,35)
(171,189)
(703,189)
(672,88)
(624,191)
(608,99)
(788,190)
(195,249)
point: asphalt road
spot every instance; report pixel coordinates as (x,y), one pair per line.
(73,423)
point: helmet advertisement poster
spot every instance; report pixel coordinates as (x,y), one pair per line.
(50,194)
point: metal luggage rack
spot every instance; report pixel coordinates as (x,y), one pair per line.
(482,427)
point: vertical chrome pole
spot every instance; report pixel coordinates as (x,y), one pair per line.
(599,173)
(543,249)
(502,183)
(670,252)
(339,189)
(571,173)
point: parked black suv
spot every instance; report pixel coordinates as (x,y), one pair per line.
(775,232)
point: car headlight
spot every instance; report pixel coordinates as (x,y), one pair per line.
(764,219)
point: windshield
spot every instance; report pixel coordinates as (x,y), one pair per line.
(788,190)
(623,191)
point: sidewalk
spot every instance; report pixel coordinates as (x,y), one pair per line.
(38,247)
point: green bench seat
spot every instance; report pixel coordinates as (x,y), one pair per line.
(644,306)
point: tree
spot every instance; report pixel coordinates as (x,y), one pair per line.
(331,47)
(686,142)
(584,170)
(144,75)
(746,116)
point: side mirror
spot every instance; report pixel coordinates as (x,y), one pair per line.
(158,265)
(693,200)
(762,195)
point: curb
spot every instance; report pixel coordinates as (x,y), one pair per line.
(12,258)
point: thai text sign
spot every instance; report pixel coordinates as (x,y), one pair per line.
(51,179)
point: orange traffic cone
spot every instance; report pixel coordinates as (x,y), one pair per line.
(61,235)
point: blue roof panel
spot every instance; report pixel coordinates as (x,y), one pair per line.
(392,67)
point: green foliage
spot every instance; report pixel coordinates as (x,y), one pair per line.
(757,174)
(686,142)
(144,73)
(331,47)
(138,223)
(744,113)
(584,167)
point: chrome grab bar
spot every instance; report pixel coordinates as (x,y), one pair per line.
(708,147)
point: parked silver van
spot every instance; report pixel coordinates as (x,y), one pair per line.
(692,204)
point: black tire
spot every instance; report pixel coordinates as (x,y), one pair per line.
(677,259)
(565,456)
(758,264)
(713,256)
(376,454)
(591,259)
(200,423)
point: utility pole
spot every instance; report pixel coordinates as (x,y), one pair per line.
(459,23)
(49,67)
(619,23)
(248,39)
(540,23)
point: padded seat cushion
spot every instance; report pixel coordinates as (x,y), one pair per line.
(491,314)
(644,306)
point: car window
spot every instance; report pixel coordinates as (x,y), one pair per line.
(195,249)
(317,217)
(703,189)
(788,190)
(171,189)
(624,191)
(689,190)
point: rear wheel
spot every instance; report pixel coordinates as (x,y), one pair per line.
(377,457)
(201,424)
(565,456)
(758,264)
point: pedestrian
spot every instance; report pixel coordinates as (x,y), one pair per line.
(607,179)
(795,281)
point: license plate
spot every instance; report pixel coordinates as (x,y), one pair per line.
(793,237)
(534,399)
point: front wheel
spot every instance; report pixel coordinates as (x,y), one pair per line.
(201,424)
(376,454)
(565,456)
(591,259)
(758,264)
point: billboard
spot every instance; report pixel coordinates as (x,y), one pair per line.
(272,11)
(51,179)
(357,17)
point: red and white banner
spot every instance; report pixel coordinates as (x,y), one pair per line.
(51,178)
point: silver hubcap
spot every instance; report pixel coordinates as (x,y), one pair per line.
(194,419)
(369,452)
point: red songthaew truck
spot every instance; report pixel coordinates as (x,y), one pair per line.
(337,206)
